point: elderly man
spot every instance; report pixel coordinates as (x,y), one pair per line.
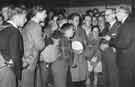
(109,53)
(125,45)
(11,47)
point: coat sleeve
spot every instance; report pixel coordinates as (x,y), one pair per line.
(123,41)
(38,39)
(16,51)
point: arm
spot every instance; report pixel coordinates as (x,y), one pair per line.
(123,40)
(15,51)
(37,37)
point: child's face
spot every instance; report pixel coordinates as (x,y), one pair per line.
(76,20)
(69,33)
(87,20)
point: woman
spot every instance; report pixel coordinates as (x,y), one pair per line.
(87,24)
(79,32)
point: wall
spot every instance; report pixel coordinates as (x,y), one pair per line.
(82,10)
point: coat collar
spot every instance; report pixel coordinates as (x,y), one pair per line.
(12,23)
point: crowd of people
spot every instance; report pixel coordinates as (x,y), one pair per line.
(47,48)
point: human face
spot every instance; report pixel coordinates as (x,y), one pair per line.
(69,33)
(94,21)
(101,20)
(21,20)
(42,15)
(87,20)
(76,20)
(109,15)
(120,14)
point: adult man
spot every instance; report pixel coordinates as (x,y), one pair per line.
(33,45)
(125,45)
(6,10)
(11,47)
(109,53)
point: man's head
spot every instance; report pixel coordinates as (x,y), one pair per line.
(109,15)
(18,16)
(121,13)
(39,13)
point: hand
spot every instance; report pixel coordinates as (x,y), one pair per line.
(107,37)
(104,46)
(94,59)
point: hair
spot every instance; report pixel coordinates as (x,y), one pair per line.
(66,26)
(101,16)
(89,11)
(16,10)
(74,15)
(126,9)
(34,11)
(57,34)
(112,9)
(86,16)
(95,27)
(95,10)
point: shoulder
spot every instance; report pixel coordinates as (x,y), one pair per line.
(31,25)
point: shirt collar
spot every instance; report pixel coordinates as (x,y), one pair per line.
(124,19)
(112,23)
(11,22)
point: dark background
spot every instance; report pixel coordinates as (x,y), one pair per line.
(66,3)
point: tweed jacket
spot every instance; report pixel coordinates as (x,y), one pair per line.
(33,43)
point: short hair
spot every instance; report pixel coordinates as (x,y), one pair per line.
(17,10)
(56,34)
(126,9)
(35,10)
(66,26)
(86,16)
(95,27)
(112,9)
(74,15)
(89,11)
(95,10)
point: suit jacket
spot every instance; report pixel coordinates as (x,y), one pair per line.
(110,31)
(33,43)
(125,44)
(66,50)
(11,47)
(109,58)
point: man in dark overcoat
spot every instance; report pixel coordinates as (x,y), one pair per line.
(125,46)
